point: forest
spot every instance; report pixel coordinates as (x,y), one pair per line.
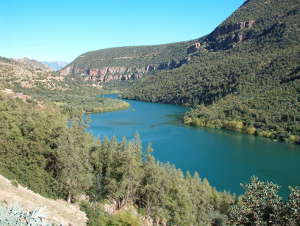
(41,151)
(245,77)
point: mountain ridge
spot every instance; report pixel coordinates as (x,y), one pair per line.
(32,63)
(239,82)
(131,62)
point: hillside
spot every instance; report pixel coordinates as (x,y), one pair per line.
(126,63)
(25,73)
(244,77)
(33,64)
(41,151)
(56,211)
(31,84)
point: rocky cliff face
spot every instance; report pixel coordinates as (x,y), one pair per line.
(225,36)
(225,29)
(107,74)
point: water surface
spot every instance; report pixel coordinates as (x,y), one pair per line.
(225,158)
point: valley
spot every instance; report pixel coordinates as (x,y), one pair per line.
(197,132)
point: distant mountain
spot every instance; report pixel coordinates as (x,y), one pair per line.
(33,63)
(55,65)
(28,74)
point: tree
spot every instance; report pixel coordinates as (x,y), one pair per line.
(73,160)
(122,183)
(260,205)
(292,214)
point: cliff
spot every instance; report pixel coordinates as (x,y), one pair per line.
(110,73)
(125,63)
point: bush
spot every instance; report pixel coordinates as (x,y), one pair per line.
(16,216)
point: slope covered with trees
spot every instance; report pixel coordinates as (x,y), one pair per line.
(40,151)
(134,56)
(244,77)
(59,160)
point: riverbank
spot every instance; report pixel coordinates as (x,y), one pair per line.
(241,127)
(225,158)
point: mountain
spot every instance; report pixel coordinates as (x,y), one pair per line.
(245,76)
(33,63)
(27,74)
(125,63)
(55,65)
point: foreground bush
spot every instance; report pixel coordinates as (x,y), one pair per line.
(16,216)
(261,205)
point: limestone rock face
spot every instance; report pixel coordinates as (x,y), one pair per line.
(107,74)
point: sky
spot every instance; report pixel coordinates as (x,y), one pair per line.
(63,29)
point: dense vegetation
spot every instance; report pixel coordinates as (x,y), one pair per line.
(249,84)
(40,151)
(243,78)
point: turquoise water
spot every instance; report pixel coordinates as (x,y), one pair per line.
(225,158)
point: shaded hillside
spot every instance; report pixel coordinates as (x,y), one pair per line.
(125,63)
(254,57)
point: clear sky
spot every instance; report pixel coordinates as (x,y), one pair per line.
(64,29)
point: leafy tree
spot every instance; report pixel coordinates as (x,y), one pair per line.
(261,205)
(73,161)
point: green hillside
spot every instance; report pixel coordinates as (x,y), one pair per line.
(128,63)
(245,76)
(134,56)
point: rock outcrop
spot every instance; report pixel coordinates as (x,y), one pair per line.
(107,74)
(193,48)
(225,29)
(227,35)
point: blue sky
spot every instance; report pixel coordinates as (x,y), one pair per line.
(63,29)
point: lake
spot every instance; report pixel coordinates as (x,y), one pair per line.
(225,158)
